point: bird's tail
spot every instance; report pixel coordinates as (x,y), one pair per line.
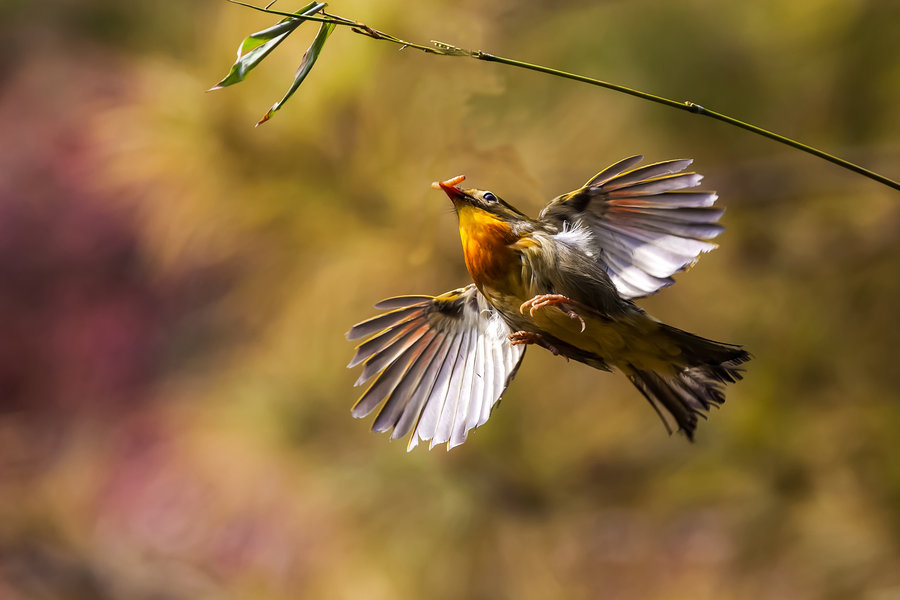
(697,383)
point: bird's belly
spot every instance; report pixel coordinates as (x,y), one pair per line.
(628,339)
(633,340)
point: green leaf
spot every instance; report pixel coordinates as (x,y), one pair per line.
(258,45)
(306,64)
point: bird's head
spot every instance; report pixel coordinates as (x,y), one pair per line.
(488,226)
(478,206)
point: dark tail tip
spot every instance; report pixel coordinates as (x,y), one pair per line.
(682,399)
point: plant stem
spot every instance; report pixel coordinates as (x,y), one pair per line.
(445,49)
(694,108)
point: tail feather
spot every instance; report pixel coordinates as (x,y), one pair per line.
(681,398)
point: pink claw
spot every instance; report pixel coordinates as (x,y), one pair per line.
(543,300)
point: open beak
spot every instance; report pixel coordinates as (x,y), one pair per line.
(449,186)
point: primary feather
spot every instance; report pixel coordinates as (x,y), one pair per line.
(438,365)
(645,227)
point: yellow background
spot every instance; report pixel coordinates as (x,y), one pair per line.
(175,285)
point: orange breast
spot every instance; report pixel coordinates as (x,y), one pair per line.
(485,241)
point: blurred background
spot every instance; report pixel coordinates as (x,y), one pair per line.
(175,285)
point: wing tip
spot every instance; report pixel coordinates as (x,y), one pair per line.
(353,334)
(358,413)
(397,302)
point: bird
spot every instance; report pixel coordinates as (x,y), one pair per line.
(566,282)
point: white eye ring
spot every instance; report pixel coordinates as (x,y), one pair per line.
(489,197)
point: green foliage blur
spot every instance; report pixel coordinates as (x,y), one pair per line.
(175,285)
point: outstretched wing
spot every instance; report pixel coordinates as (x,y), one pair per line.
(439,364)
(643,224)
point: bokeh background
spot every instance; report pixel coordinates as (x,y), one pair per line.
(175,285)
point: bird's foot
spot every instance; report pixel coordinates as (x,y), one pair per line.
(542,300)
(519,338)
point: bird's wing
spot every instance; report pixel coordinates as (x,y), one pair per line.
(643,224)
(438,365)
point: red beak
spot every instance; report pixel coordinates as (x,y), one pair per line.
(449,186)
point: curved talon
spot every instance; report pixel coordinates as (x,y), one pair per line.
(519,338)
(574,315)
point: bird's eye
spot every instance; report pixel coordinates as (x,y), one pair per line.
(489,197)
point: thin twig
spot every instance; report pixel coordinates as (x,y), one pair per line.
(696,109)
(444,49)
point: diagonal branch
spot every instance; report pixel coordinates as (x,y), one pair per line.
(444,49)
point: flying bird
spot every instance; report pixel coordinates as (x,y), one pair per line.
(565,281)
